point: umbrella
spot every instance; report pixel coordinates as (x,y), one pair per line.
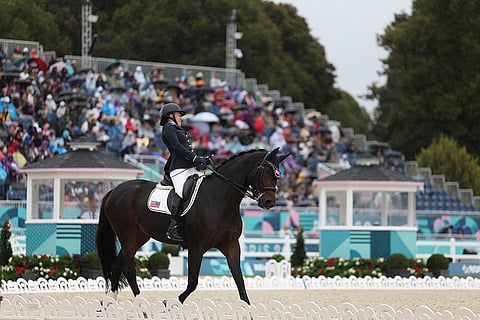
(202,127)
(313,114)
(21,60)
(113,64)
(59,65)
(205,117)
(76,80)
(42,65)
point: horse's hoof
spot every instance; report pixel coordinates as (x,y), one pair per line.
(113,295)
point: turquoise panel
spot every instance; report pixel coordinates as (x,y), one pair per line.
(360,241)
(88,238)
(68,239)
(41,239)
(404,242)
(380,244)
(335,243)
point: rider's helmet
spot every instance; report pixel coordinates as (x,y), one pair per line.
(168,109)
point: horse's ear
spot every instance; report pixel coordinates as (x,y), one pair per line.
(282,157)
(272,154)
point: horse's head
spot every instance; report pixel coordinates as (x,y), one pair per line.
(266,177)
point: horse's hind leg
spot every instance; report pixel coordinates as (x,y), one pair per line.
(232,253)
(126,262)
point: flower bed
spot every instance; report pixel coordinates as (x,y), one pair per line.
(359,267)
(53,267)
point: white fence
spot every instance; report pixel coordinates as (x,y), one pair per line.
(43,306)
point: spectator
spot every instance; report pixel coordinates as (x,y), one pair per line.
(92,212)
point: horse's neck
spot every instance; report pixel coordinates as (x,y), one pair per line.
(243,169)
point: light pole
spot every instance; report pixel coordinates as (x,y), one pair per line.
(87,43)
(232,52)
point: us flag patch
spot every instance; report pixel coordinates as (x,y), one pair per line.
(155,204)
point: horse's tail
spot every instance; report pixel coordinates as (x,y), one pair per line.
(105,241)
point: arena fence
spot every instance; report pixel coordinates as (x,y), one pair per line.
(14,306)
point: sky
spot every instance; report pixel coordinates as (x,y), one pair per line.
(348,30)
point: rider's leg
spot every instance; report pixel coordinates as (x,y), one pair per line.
(175,229)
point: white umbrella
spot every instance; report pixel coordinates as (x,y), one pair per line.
(205,117)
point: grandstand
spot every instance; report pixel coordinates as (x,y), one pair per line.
(438,197)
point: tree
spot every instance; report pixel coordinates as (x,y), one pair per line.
(299,255)
(456,164)
(5,245)
(349,113)
(432,75)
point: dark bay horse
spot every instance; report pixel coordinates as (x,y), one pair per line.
(214,220)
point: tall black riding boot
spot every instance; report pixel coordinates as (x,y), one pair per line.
(175,229)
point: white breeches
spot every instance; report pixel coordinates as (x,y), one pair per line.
(179,176)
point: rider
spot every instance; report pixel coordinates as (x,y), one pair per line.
(182,162)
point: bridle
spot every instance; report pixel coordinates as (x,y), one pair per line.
(257,190)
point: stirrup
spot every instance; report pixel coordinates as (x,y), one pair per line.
(175,233)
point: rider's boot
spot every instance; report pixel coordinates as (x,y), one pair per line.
(175,229)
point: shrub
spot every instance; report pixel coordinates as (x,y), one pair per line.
(5,245)
(277,257)
(92,261)
(299,254)
(170,248)
(396,261)
(158,260)
(438,261)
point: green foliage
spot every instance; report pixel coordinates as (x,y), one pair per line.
(396,261)
(92,261)
(5,245)
(432,77)
(299,255)
(158,260)
(43,266)
(437,261)
(358,267)
(347,110)
(456,164)
(278,257)
(170,248)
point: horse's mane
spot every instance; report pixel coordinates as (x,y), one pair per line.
(237,156)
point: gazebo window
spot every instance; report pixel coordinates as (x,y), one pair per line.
(43,199)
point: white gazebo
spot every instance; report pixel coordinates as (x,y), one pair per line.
(366,211)
(60,188)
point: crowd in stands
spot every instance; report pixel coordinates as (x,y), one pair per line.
(46,105)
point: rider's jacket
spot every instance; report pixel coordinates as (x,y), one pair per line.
(179,144)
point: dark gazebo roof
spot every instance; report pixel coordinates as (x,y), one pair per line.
(367,173)
(82,156)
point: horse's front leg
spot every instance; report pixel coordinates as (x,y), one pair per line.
(194,260)
(232,253)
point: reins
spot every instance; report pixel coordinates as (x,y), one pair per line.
(252,192)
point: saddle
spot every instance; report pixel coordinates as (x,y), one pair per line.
(161,197)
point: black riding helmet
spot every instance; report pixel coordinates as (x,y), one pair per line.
(168,109)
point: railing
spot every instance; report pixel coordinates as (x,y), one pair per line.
(142,162)
(451,249)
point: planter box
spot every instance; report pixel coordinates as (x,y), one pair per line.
(91,273)
(438,273)
(161,273)
(398,272)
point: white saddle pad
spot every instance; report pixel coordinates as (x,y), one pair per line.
(157,201)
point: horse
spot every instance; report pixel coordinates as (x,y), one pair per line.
(214,221)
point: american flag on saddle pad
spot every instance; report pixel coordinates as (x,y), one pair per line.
(155,204)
